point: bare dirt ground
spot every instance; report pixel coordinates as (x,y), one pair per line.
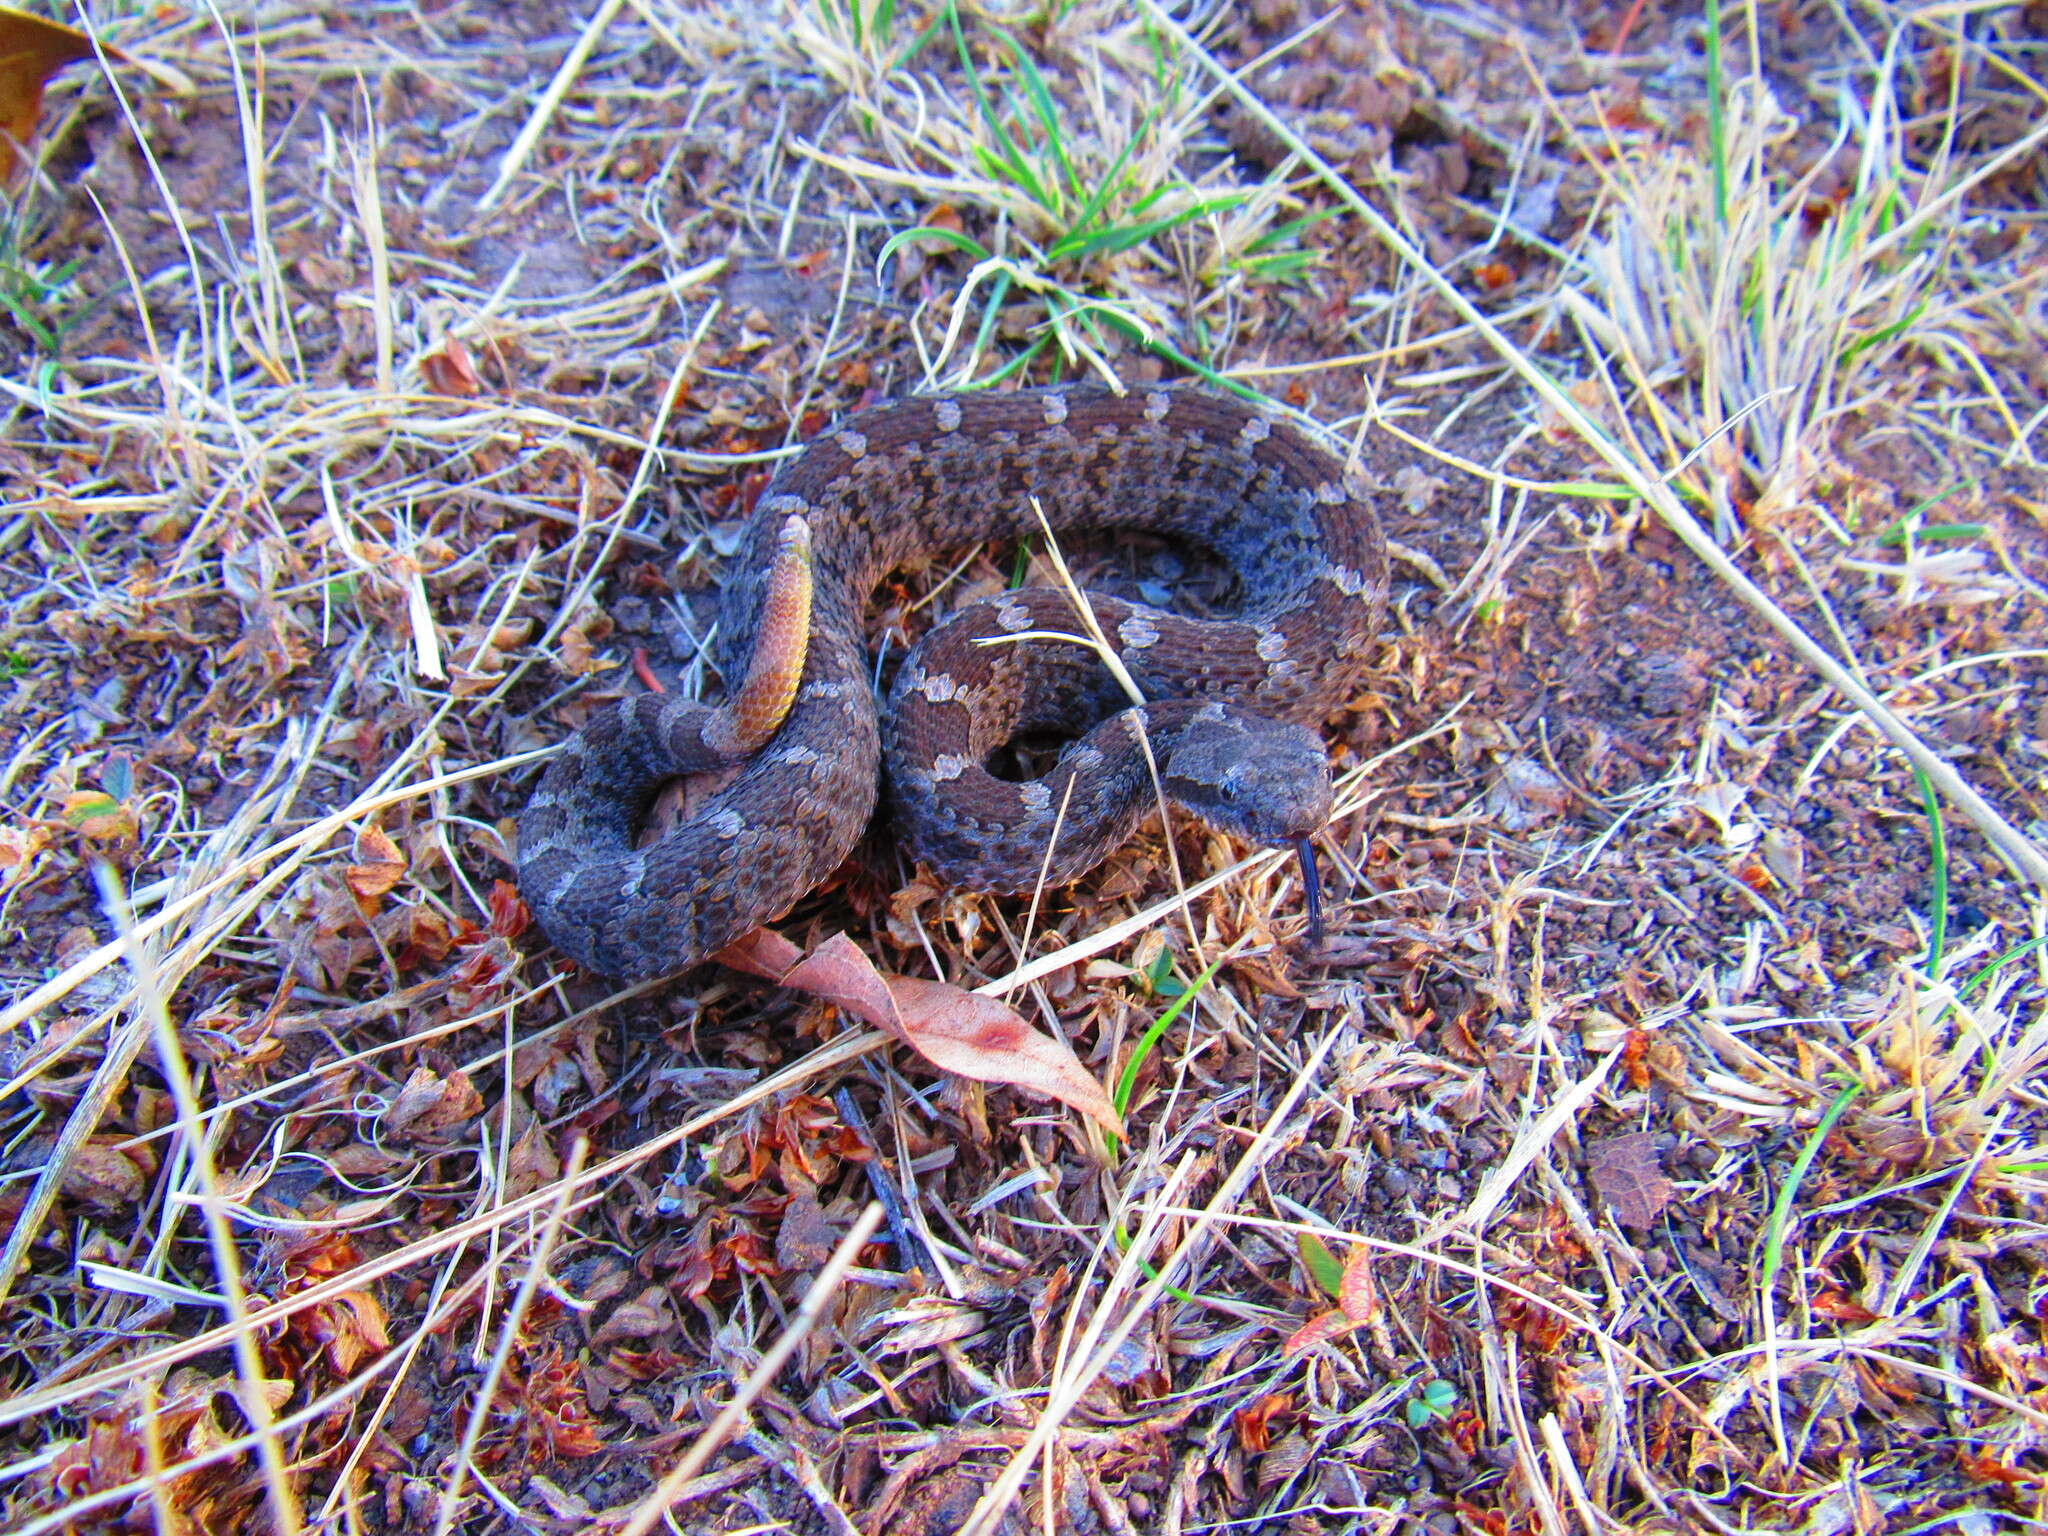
(1658,1142)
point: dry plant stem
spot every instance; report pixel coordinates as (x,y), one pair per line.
(373,801)
(822,1290)
(440,1305)
(2019,850)
(440,1311)
(1077,599)
(590,1187)
(1110,937)
(1528,1465)
(643,473)
(251,1384)
(112,1073)
(1101,1341)
(1527,1147)
(1608,1344)
(70,1518)
(551,99)
(508,1333)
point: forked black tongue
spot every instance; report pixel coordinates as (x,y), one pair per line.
(1311,890)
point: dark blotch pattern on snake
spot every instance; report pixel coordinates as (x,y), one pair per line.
(929,473)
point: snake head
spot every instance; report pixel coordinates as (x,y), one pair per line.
(1264,779)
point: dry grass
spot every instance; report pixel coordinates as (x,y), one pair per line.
(1660,1143)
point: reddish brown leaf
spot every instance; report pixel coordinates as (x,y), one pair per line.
(449,371)
(480,978)
(367,882)
(1254,1423)
(1320,1329)
(1983,1467)
(531,1163)
(509,915)
(956,1031)
(104,1178)
(1539,1327)
(1842,1308)
(31,50)
(380,865)
(1356,1296)
(805,1239)
(349,1328)
(556,1419)
(1624,1169)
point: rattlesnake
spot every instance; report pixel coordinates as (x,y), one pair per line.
(804,730)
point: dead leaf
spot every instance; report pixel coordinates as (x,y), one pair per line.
(99,818)
(923,1322)
(1784,854)
(956,1031)
(577,648)
(1417,488)
(349,1328)
(1356,1294)
(647,1316)
(1624,1169)
(21,854)
(1358,1303)
(806,1238)
(1320,1329)
(429,1103)
(1526,794)
(1286,1460)
(104,1178)
(1254,1423)
(449,371)
(531,1163)
(31,51)
(380,865)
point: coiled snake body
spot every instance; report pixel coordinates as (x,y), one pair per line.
(804,727)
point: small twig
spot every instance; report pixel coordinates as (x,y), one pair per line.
(1101,1339)
(909,1246)
(550,100)
(252,1382)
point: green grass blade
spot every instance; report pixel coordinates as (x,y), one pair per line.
(952,237)
(1013,367)
(991,311)
(1717,112)
(1781,1208)
(1937,856)
(1044,108)
(1111,180)
(1124,236)
(2025,947)
(1127,1080)
(1006,159)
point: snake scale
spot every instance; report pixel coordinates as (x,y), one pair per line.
(1229,700)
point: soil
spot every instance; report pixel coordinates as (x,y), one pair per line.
(1600,825)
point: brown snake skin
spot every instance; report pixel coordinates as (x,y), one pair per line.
(931,473)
